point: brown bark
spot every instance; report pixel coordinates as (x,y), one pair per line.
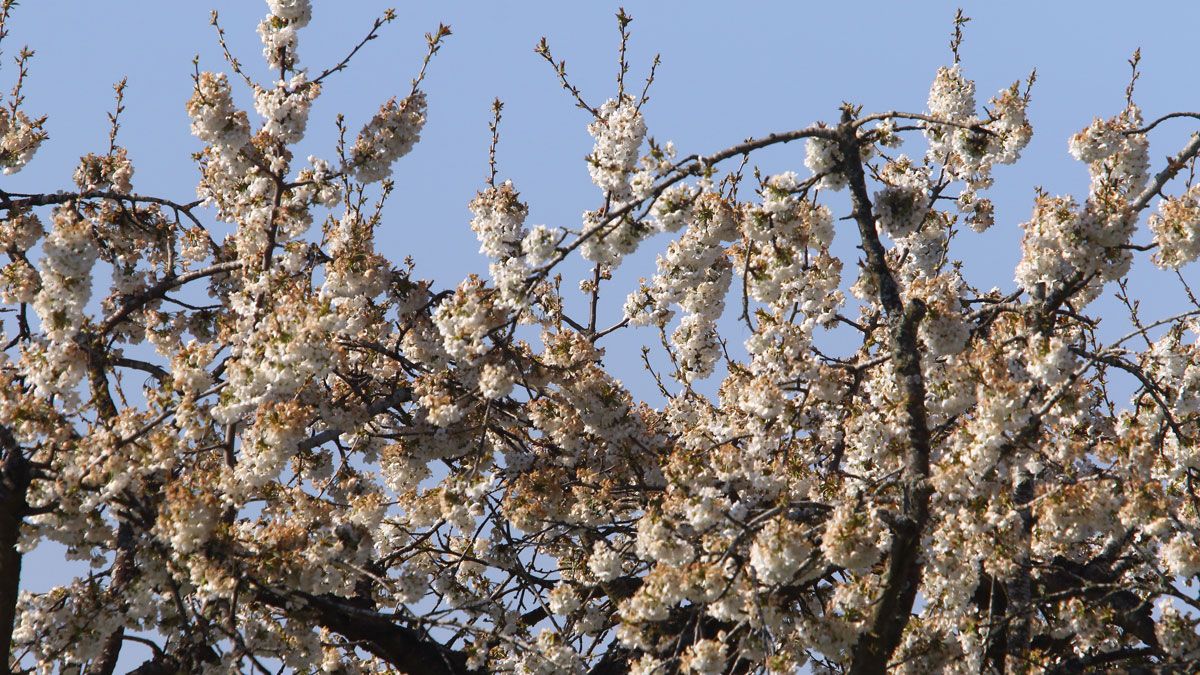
(122,573)
(15,477)
(891,613)
(405,649)
(123,569)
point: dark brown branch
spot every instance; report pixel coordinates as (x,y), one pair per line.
(156,292)
(20,201)
(1164,118)
(403,648)
(376,408)
(1174,164)
(15,478)
(693,165)
(892,611)
(156,371)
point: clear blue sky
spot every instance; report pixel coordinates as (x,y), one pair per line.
(729,71)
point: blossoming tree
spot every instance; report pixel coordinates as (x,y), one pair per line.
(334,466)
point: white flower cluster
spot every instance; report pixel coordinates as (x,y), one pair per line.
(19,281)
(968,146)
(1176,229)
(1010,125)
(439,401)
(619,132)
(270,441)
(496,381)
(357,274)
(854,536)
(189,519)
(705,657)
(1099,141)
(952,95)
(284,107)
(103,172)
(658,541)
(1177,630)
(539,245)
(297,12)
(784,253)
(20,138)
(69,252)
(673,208)
(80,624)
(465,319)
(823,158)
(695,274)
(604,563)
(390,135)
(280,355)
(20,231)
(499,223)
(943,331)
(952,98)
(1117,158)
(980,211)
(564,599)
(901,206)
(759,397)
(1180,556)
(1051,362)
(1064,242)
(278,31)
(778,551)
(791,218)
(215,119)
(549,655)
(611,239)
(499,220)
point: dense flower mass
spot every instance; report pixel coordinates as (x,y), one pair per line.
(390,135)
(278,451)
(20,138)
(619,132)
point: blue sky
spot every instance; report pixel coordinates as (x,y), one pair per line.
(727,73)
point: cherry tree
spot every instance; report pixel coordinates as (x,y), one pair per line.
(277,448)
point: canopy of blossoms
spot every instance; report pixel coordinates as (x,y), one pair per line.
(331,465)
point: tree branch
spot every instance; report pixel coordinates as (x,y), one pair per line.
(891,612)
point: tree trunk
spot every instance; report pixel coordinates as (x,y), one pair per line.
(14,488)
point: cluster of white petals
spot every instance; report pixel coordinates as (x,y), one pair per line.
(499,221)
(900,208)
(390,135)
(823,158)
(275,447)
(619,132)
(20,138)
(278,31)
(284,107)
(1176,229)
(215,118)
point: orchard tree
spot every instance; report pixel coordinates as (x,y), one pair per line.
(279,450)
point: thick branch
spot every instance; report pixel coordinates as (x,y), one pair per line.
(155,292)
(403,648)
(15,477)
(123,566)
(403,395)
(20,202)
(891,613)
(1174,164)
